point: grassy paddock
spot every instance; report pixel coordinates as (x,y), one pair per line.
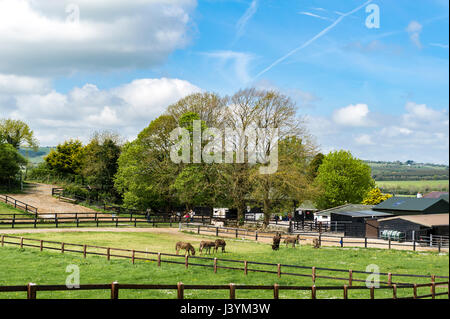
(20,266)
(412,187)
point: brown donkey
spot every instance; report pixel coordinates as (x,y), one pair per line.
(276,241)
(220,243)
(292,240)
(207,246)
(186,246)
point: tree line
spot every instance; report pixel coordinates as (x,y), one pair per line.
(141,173)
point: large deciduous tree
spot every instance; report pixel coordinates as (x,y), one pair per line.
(146,171)
(17,133)
(100,157)
(10,162)
(67,158)
(343,179)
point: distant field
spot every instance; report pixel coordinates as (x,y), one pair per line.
(397,171)
(413,187)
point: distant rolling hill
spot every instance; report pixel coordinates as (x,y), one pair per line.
(35,157)
(398,171)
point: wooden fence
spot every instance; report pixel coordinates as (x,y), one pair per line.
(339,241)
(79,220)
(18,204)
(31,289)
(213,263)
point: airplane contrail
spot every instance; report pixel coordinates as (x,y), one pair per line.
(317,36)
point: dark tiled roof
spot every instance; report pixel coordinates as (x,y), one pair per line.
(345,208)
(363,213)
(407,203)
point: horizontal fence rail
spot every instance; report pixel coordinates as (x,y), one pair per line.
(18,204)
(340,241)
(31,289)
(241,265)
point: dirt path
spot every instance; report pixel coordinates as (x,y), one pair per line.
(40,196)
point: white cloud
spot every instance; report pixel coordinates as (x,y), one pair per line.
(238,62)
(414,28)
(395,131)
(13,84)
(417,114)
(352,115)
(364,139)
(37,39)
(127,109)
(395,137)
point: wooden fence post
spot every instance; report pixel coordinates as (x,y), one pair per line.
(62,248)
(394,291)
(180,290)
(186,261)
(433,280)
(31,291)
(313,292)
(41,245)
(115,290)
(217,231)
(433,290)
(275,291)
(133,253)
(232,291)
(350,277)
(108,253)
(159,259)
(237,233)
(215,265)
(415,291)
(245,267)
(313,276)
(389,243)
(84,250)
(21,242)
(279,270)
(389,279)
(372,292)
(345,292)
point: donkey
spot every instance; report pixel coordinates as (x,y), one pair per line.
(316,243)
(220,243)
(186,246)
(207,246)
(292,240)
(276,241)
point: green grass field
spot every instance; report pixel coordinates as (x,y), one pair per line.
(20,266)
(412,187)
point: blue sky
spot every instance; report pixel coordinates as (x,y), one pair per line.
(380,92)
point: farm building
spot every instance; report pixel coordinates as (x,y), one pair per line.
(306,211)
(413,206)
(363,223)
(417,225)
(324,216)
